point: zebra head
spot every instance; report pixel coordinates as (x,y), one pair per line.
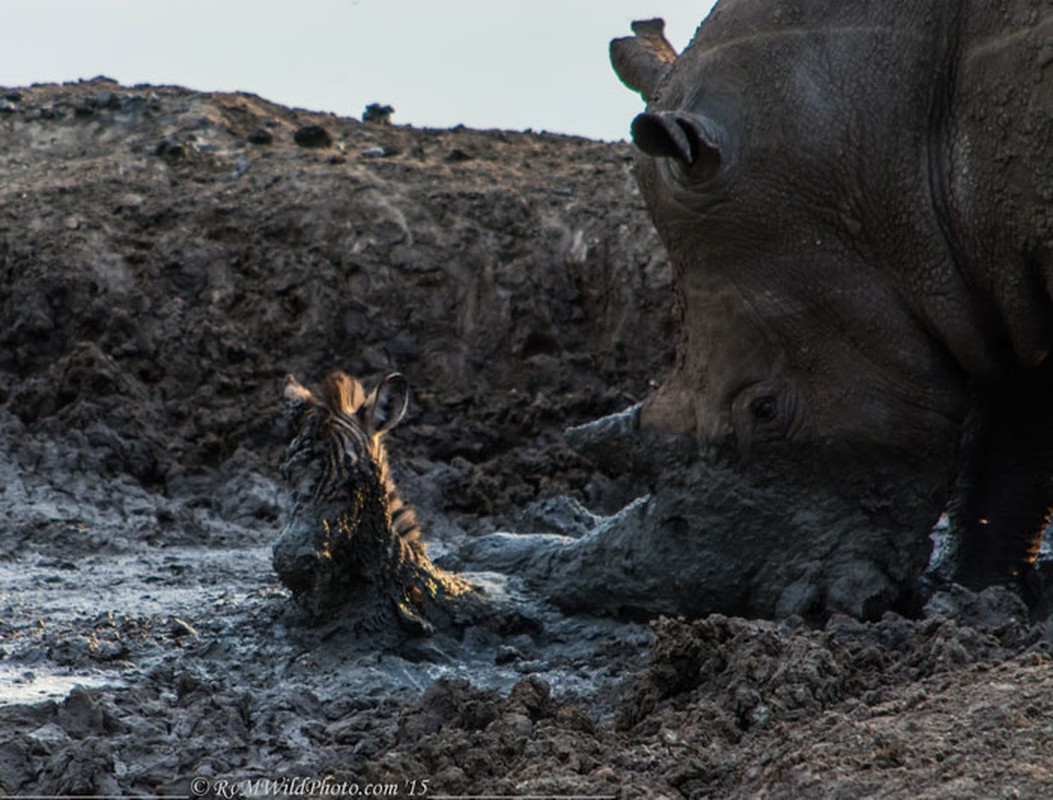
(339,432)
(349,539)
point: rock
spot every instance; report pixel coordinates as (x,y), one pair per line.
(81,768)
(181,628)
(170,149)
(312,136)
(533,697)
(51,736)
(81,715)
(379,152)
(261,136)
(107,99)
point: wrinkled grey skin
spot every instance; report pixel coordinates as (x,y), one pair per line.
(856,199)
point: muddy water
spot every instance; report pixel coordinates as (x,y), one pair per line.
(24,686)
(111,617)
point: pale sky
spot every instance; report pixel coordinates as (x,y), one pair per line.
(512,64)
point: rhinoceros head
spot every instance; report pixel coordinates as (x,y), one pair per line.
(807,169)
(794,223)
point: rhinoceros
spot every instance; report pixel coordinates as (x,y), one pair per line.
(856,197)
(857,201)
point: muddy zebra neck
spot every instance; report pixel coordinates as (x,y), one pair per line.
(404,523)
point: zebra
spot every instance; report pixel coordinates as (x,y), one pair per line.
(350,538)
(355,425)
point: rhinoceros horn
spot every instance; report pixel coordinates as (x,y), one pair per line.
(643,59)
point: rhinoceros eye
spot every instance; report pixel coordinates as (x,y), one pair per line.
(764,408)
(768,411)
(763,412)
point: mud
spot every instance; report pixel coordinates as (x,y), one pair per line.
(730,708)
(164,265)
(703,540)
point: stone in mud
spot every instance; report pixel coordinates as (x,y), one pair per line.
(261,136)
(312,136)
(378,113)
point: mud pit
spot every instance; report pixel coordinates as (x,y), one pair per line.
(164,266)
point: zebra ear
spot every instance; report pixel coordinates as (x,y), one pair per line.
(387,405)
(296,394)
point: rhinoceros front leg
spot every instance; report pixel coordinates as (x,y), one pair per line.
(1005,491)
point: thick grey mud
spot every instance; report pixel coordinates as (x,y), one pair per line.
(772,537)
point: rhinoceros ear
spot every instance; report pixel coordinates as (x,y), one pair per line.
(642,60)
(691,139)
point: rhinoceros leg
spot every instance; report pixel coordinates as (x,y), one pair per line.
(1005,493)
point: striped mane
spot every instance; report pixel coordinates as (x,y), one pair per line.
(342,394)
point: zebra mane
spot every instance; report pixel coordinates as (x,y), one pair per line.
(347,506)
(342,394)
(339,394)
